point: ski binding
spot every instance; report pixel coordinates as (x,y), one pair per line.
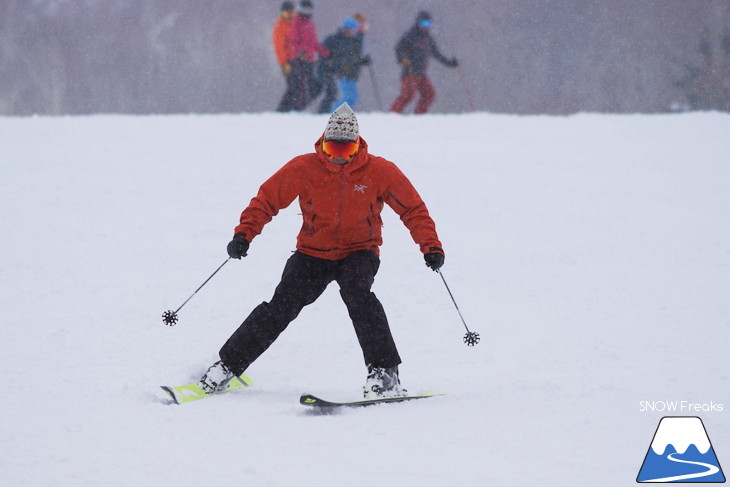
(193,392)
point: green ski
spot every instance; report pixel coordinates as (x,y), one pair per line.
(193,392)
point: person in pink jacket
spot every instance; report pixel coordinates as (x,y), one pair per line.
(303,55)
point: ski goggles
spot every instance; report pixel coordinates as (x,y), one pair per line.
(425,23)
(335,149)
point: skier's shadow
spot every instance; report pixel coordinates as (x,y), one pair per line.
(322,411)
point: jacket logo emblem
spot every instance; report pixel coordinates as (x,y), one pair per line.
(360,187)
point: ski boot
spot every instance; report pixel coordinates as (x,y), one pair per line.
(383,382)
(216,379)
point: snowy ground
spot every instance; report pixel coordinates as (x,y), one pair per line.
(591,252)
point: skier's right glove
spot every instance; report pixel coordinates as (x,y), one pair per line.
(435,258)
(238,247)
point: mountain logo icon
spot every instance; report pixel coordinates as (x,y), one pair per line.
(681,452)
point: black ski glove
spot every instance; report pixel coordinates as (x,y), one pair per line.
(365,61)
(454,62)
(435,258)
(238,247)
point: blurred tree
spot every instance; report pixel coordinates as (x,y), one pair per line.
(706,85)
(518,56)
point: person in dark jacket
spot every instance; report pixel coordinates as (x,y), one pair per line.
(349,72)
(413,52)
(345,47)
(339,45)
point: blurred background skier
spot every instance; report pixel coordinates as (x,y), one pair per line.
(327,67)
(413,52)
(349,72)
(344,62)
(304,48)
(341,189)
(281,37)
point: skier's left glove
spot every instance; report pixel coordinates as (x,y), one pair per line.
(434,258)
(238,247)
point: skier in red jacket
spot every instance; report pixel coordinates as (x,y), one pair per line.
(341,189)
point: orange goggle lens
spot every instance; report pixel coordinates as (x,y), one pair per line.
(336,149)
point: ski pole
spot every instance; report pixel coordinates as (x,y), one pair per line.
(169,317)
(469,97)
(471,338)
(376,90)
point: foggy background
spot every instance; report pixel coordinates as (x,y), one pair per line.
(517,56)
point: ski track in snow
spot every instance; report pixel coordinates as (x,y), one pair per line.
(590,252)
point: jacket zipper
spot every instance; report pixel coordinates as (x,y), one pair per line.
(309,217)
(339,213)
(370,223)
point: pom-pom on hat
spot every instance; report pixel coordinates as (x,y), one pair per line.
(342,125)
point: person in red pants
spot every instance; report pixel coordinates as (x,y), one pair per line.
(413,52)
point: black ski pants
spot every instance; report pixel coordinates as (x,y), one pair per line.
(287,100)
(304,279)
(304,84)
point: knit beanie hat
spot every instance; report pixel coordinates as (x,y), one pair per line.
(423,15)
(342,125)
(306,8)
(350,23)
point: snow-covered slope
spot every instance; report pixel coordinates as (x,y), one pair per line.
(590,252)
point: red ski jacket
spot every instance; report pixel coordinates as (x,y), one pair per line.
(280,36)
(341,204)
(303,41)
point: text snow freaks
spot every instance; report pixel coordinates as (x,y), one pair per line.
(680,407)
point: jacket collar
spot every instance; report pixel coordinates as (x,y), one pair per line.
(360,159)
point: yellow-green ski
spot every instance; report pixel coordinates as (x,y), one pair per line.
(193,392)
